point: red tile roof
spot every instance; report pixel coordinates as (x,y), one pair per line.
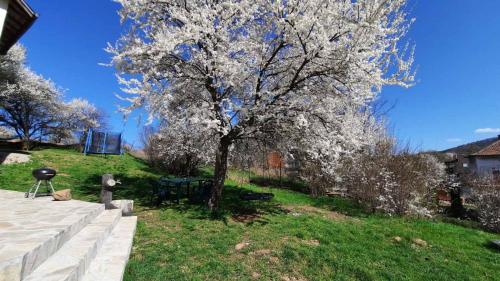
(491,150)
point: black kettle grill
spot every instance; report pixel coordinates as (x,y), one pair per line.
(42,175)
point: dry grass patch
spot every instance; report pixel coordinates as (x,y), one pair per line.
(332,215)
(246,218)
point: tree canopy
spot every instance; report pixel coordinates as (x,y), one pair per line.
(34,108)
(238,69)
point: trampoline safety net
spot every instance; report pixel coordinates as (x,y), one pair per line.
(103,143)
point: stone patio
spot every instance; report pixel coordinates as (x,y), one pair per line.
(43,239)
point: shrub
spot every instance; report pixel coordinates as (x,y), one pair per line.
(397,183)
(177,151)
(486,196)
(318,183)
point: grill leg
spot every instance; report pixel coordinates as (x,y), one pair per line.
(36,190)
(29,191)
(51,187)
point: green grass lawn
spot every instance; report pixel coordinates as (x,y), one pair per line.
(293,237)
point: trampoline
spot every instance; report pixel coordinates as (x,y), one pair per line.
(103,143)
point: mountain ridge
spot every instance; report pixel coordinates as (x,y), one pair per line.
(472,147)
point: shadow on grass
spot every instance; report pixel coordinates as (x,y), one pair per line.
(38,146)
(342,205)
(140,189)
(251,212)
(248,212)
(491,246)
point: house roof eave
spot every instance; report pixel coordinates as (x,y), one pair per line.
(20,17)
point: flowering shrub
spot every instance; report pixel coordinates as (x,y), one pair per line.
(486,196)
(396,183)
(178,150)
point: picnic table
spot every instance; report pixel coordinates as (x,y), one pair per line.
(194,188)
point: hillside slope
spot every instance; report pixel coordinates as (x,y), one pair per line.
(292,237)
(82,174)
(470,148)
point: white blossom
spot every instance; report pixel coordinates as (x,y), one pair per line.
(34,107)
(237,68)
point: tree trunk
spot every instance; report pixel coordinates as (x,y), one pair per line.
(219,174)
(26,143)
(25,137)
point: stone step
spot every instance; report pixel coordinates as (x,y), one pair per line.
(33,230)
(74,257)
(110,262)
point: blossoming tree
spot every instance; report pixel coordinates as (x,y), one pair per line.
(33,106)
(236,68)
(75,118)
(28,102)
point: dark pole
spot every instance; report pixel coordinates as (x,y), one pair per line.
(280,174)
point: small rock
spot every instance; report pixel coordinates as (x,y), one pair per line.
(241,245)
(397,239)
(274,259)
(62,195)
(420,242)
(255,275)
(295,214)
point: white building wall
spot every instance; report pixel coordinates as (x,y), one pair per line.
(484,166)
(4,6)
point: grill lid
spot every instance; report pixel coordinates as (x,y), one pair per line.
(44,173)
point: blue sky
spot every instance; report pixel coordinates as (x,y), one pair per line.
(457,53)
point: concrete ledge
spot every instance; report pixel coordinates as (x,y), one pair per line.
(33,230)
(110,262)
(127,206)
(73,259)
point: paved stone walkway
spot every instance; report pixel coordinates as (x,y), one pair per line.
(32,230)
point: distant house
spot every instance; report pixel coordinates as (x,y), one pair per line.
(16,17)
(486,161)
